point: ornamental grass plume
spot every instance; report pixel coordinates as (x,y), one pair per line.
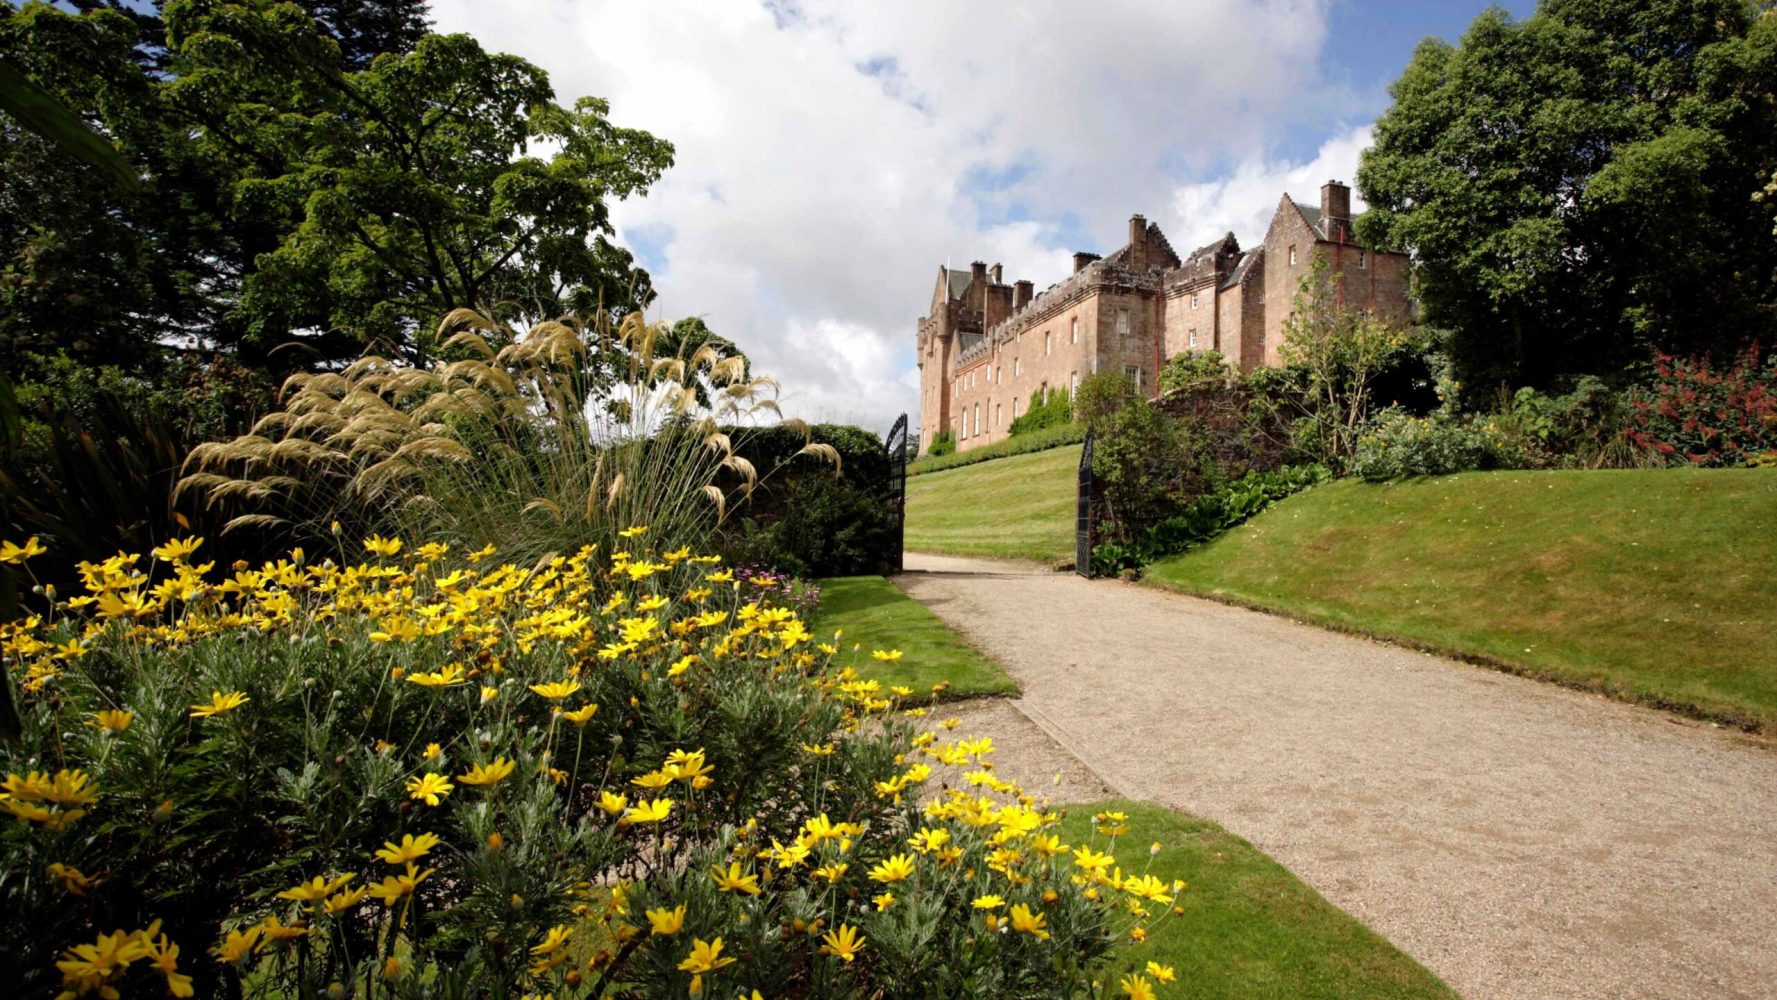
(536,442)
(239,765)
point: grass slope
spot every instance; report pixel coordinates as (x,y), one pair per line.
(875,615)
(1249,928)
(1657,585)
(1021,507)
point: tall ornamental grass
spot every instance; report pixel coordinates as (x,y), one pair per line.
(618,772)
(538,443)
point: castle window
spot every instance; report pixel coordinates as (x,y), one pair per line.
(1193,337)
(996,414)
(1073,384)
(977,418)
(1134,372)
(1193,300)
(1123,322)
(1292,255)
(1048,343)
(1017,366)
(1360,258)
(1076,326)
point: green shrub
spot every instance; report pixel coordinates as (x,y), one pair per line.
(1194,369)
(943,443)
(1397,445)
(1101,395)
(1042,414)
(432,776)
(1043,440)
(806,517)
(1207,517)
(1588,427)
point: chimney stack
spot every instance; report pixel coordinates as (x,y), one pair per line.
(994,273)
(1335,210)
(978,272)
(1081,259)
(1138,230)
(1022,292)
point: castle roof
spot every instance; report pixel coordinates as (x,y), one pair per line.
(1247,260)
(1311,215)
(956,283)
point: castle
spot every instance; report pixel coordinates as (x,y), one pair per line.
(986,347)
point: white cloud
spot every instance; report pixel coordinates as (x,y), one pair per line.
(830,154)
(1244,200)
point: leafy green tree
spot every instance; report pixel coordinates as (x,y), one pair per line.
(1574,186)
(413,183)
(1342,354)
(289,203)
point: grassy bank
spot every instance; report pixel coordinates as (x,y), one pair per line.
(1249,929)
(1043,440)
(1021,507)
(874,614)
(1658,586)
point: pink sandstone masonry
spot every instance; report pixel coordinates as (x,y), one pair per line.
(985,347)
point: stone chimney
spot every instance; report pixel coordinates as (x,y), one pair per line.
(994,273)
(1022,292)
(978,272)
(1335,210)
(1137,258)
(1081,259)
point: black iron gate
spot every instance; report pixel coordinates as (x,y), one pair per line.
(896,442)
(1083,511)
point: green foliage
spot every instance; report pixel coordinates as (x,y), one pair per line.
(807,517)
(1206,517)
(39,112)
(943,443)
(1136,465)
(409,203)
(1194,369)
(1399,445)
(90,467)
(1588,427)
(294,212)
(1101,395)
(1574,186)
(1043,414)
(1342,355)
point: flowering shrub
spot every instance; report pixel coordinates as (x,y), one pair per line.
(431,774)
(1697,415)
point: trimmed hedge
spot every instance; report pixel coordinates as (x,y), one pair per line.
(805,518)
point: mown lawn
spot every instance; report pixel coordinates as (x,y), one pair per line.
(1021,507)
(1249,928)
(1658,586)
(874,614)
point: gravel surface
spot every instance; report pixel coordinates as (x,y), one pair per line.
(1022,751)
(1519,839)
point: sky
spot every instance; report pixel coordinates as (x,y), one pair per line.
(832,154)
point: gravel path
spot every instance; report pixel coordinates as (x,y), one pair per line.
(1519,839)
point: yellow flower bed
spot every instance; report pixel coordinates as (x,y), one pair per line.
(425,774)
